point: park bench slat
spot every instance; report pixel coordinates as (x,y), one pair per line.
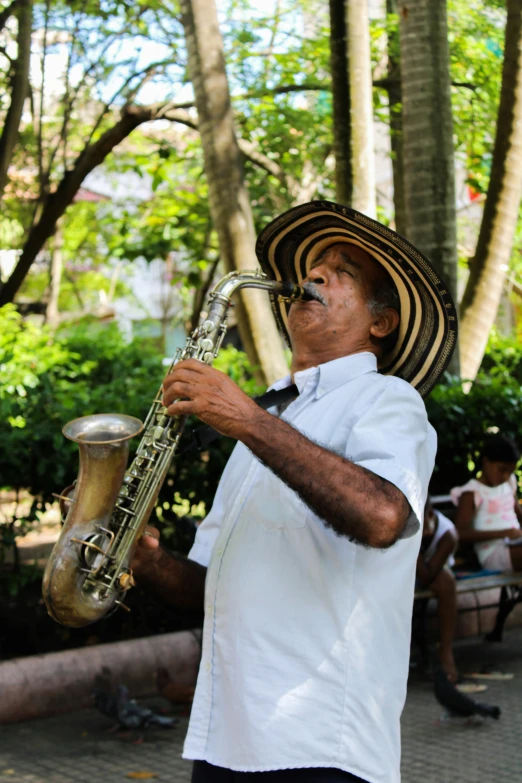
(474,584)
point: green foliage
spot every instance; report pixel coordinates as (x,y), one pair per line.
(503,357)
(476,38)
(48,380)
(463,420)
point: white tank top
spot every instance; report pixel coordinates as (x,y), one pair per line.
(443,525)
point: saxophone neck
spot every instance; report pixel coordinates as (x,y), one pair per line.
(232,282)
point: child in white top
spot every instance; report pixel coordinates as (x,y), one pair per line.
(439,541)
(488,511)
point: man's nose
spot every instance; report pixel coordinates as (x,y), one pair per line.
(318,275)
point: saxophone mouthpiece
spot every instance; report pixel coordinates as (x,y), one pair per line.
(293,292)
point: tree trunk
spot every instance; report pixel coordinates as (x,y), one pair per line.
(361,97)
(19,89)
(52,315)
(490,264)
(429,167)
(341,103)
(229,203)
(395,111)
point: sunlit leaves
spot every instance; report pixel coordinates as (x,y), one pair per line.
(476,36)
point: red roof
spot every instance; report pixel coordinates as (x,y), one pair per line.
(84,194)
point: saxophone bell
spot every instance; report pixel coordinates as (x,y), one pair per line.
(86,544)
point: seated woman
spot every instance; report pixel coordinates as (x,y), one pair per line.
(439,541)
(488,511)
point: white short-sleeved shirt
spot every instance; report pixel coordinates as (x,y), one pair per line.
(306,635)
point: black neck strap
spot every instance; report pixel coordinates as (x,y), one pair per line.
(201,437)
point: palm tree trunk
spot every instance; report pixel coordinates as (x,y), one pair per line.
(229,202)
(429,166)
(395,113)
(361,96)
(341,103)
(489,266)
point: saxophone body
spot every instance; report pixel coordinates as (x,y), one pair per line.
(88,572)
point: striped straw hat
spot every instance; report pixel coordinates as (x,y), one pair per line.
(288,246)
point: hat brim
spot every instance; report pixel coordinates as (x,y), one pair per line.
(427,336)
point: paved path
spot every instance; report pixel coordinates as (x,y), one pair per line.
(77,749)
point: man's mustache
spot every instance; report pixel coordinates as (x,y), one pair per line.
(313,291)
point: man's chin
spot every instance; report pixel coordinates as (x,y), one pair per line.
(302,317)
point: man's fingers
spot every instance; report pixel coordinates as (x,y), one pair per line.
(182,408)
(195,366)
(150,538)
(176,390)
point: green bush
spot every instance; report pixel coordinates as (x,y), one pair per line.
(463,420)
(46,380)
(503,357)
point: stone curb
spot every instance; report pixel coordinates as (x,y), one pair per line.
(42,685)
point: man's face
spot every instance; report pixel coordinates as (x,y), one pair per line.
(346,277)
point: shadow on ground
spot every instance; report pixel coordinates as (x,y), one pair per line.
(77,748)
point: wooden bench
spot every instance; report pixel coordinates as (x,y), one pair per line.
(510,595)
(510,585)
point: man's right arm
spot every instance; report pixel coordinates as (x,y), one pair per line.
(173,578)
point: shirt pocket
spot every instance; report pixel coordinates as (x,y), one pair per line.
(274,506)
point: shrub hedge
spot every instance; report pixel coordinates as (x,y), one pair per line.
(48,379)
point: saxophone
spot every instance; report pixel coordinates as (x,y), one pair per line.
(88,572)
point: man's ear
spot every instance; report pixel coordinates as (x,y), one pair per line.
(385,323)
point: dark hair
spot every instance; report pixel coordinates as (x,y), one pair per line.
(499,448)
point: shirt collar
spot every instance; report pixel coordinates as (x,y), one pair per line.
(331,375)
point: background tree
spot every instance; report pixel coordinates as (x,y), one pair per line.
(228,197)
(340,103)
(489,266)
(394,90)
(361,98)
(429,164)
(19,78)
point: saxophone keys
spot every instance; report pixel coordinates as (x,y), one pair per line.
(127,581)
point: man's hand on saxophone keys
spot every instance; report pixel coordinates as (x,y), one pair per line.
(195,388)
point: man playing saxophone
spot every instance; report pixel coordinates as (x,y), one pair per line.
(305,565)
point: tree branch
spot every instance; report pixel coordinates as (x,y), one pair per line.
(7,12)
(248,148)
(56,203)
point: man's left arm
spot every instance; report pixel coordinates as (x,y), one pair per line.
(355,501)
